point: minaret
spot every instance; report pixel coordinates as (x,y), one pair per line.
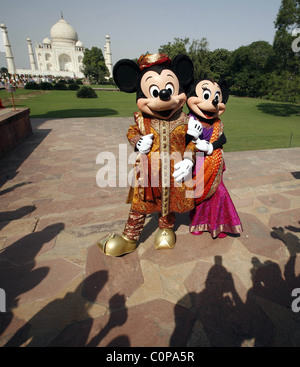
(31,55)
(105,55)
(108,57)
(9,56)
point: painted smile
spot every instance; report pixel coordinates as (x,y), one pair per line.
(208,114)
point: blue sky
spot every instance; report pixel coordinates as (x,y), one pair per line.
(139,26)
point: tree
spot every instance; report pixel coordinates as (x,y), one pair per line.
(197,50)
(287,20)
(199,54)
(284,80)
(249,66)
(177,47)
(94,65)
(3,70)
(219,64)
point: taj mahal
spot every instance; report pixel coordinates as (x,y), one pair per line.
(60,55)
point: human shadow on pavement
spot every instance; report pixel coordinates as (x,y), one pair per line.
(56,325)
(115,319)
(293,229)
(10,163)
(17,271)
(7,217)
(292,244)
(82,333)
(227,321)
(14,187)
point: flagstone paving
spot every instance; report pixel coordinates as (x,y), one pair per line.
(62,291)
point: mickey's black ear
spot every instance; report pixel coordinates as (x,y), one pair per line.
(184,69)
(125,75)
(225,90)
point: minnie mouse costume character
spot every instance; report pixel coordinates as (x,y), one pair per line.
(159,138)
(214,211)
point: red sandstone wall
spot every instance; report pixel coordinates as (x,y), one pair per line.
(14,128)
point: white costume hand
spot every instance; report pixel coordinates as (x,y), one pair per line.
(144,145)
(205,146)
(183,169)
(195,128)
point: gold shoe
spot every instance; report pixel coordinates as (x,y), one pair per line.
(115,245)
(165,239)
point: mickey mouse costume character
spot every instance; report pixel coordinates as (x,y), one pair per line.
(159,138)
(214,211)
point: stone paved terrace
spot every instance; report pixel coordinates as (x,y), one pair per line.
(62,291)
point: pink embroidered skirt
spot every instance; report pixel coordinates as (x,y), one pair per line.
(216,215)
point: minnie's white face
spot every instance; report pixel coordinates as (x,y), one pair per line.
(209,101)
(162,94)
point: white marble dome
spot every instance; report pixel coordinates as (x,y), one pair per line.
(63,31)
(79,44)
(46,41)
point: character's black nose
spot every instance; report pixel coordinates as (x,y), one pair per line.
(215,102)
(164,95)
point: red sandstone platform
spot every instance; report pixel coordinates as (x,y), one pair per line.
(15,126)
(62,291)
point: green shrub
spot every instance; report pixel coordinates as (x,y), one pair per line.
(86,92)
(73,86)
(79,82)
(63,81)
(46,86)
(32,85)
(60,86)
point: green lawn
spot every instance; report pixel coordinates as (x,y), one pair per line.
(250,124)
(65,104)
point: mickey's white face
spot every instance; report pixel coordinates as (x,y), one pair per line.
(162,94)
(209,101)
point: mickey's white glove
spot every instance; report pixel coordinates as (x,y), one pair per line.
(183,169)
(204,146)
(144,145)
(195,128)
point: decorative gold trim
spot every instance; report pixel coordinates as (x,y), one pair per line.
(217,180)
(224,228)
(164,133)
(140,122)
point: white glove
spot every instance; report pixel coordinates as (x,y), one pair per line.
(204,146)
(144,145)
(195,128)
(183,169)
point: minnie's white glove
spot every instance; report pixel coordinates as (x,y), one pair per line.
(195,128)
(183,169)
(204,146)
(144,145)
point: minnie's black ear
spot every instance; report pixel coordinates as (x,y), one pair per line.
(126,73)
(225,90)
(184,69)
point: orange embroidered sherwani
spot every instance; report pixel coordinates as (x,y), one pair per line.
(154,189)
